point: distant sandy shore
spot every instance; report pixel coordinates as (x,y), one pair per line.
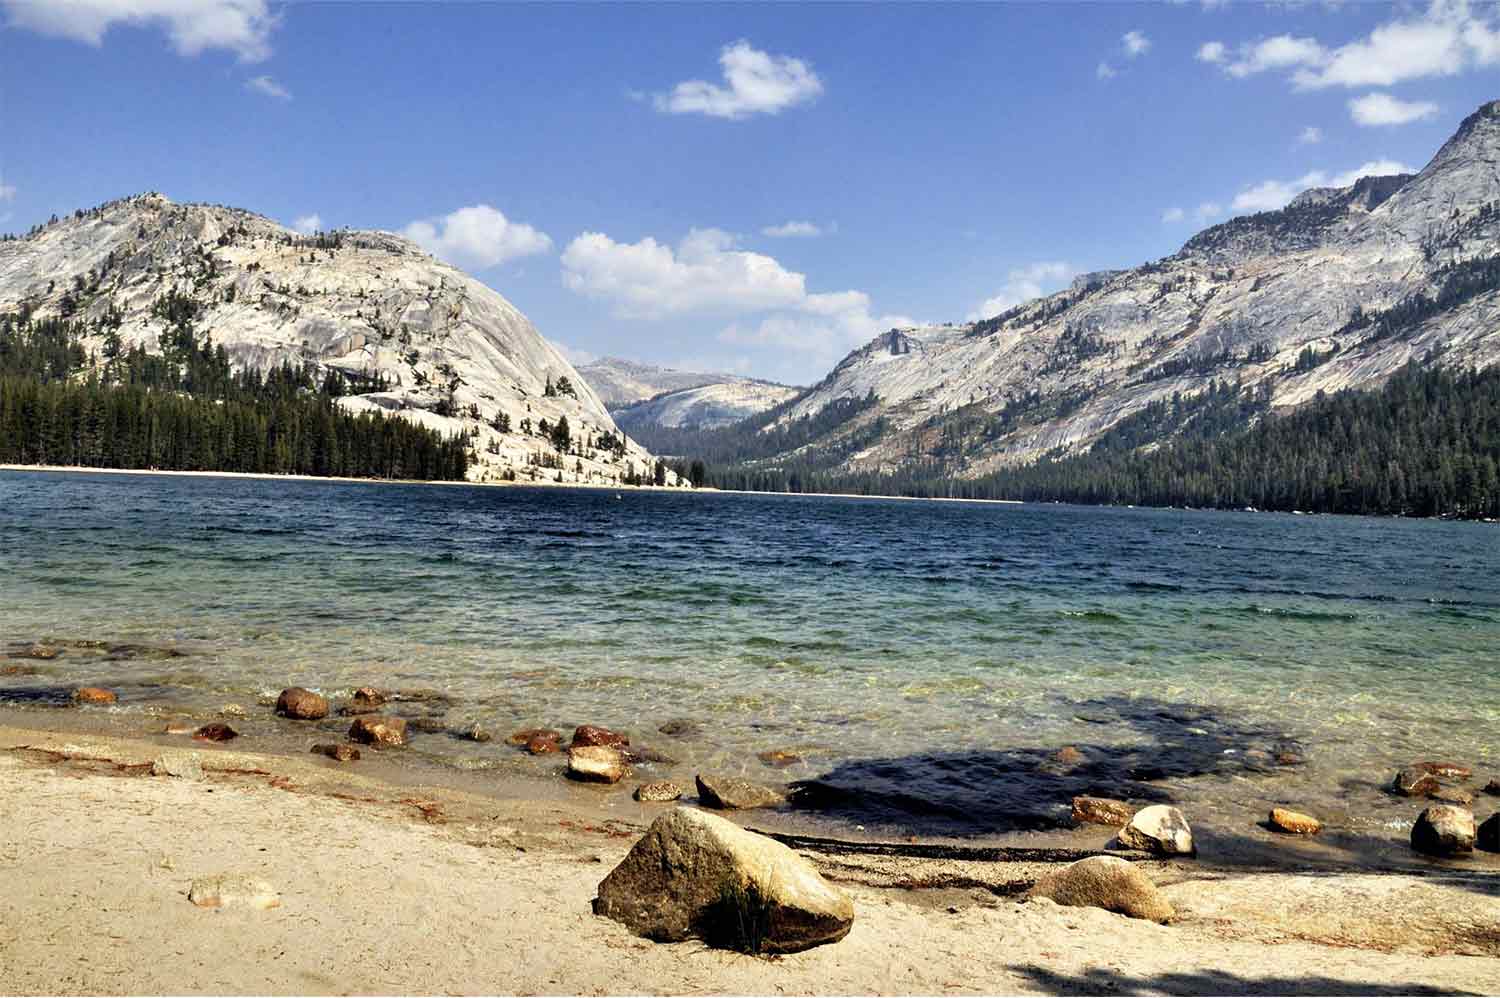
(389,889)
(596,487)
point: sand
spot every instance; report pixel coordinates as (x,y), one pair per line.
(390,889)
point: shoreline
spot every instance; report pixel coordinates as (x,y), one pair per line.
(101,867)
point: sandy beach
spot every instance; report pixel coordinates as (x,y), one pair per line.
(402,889)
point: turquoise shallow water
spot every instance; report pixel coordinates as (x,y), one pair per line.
(923,659)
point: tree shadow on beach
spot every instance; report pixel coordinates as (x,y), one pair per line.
(1099,981)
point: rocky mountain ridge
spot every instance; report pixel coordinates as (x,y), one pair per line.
(412,335)
(1337,290)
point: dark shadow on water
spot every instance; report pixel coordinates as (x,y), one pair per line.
(1098,981)
(1023,789)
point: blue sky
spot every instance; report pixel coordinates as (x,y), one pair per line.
(758,188)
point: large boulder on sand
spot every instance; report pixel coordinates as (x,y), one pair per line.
(1443,830)
(730,793)
(302,705)
(1107,882)
(692,872)
(1159,829)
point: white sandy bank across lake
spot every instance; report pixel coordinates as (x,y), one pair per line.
(402,890)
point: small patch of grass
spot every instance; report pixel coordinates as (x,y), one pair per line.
(739,919)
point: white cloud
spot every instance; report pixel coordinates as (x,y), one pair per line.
(1269,195)
(1447,39)
(1383,109)
(193,26)
(1212,52)
(1173,215)
(308,224)
(1208,210)
(1310,136)
(268,87)
(1135,43)
(1023,284)
(793,230)
(477,237)
(7,191)
(757,83)
(1105,71)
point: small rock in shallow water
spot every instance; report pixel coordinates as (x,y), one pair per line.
(93,694)
(182,765)
(526,735)
(779,758)
(1444,770)
(658,792)
(732,793)
(378,730)
(542,745)
(368,695)
(641,753)
(1294,822)
(596,764)
(1159,829)
(476,734)
(215,732)
(1107,882)
(1488,837)
(44,653)
(302,705)
(1102,811)
(1068,756)
(592,734)
(681,727)
(232,710)
(339,752)
(428,725)
(233,891)
(1414,782)
(1443,830)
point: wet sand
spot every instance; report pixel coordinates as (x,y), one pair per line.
(402,888)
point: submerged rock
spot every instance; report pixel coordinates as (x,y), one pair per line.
(41,652)
(428,725)
(1107,882)
(337,751)
(94,694)
(681,727)
(526,735)
(641,753)
(475,733)
(217,731)
(1160,829)
(1414,782)
(596,764)
(1452,795)
(301,704)
(662,790)
(732,793)
(368,696)
(1102,811)
(1443,830)
(1294,822)
(1068,755)
(778,758)
(695,874)
(1444,770)
(182,765)
(592,734)
(542,745)
(1488,836)
(1492,787)
(233,891)
(379,730)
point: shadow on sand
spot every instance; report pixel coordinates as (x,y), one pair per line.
(1213,982)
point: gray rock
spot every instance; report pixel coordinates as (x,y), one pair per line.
(1107,882)
(679,881)
(658,792)
(1443,830)
(732,793)
(1160,829)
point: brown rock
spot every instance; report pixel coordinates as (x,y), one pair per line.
(1452,795)
(379,730)
(1488,837)
(1107,882)
(1294,822)
(731,793)
(1102,811)
(779,758)
(658,792)
(18,670)
(596,764)
(368,696)
(592,734)
(301,705)
(339,752)
(93,694)
(215,732)
(45,653)
(542,745)
(1444,770)
(1069,756)
(524,736)
(1414,782)
(1443,830)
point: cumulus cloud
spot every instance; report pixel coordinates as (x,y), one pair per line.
(1448,38)
(192,26)
(1105,71)
(755,82)
(268,87)
(477,237)
(1135,43)
(1310,136)
(308,224)
(1172,215)
(1212,52)
(1383,109)
(1023,284)
(793,230)
(1269,195)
